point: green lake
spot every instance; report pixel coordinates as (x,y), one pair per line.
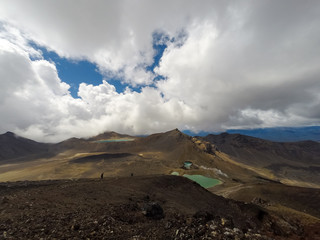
(203,181)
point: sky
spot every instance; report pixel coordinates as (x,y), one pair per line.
(78,68)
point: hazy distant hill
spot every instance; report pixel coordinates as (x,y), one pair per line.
(13,146)
(255,151)
(283,134)
(109,135)
(293,160)
(279,134)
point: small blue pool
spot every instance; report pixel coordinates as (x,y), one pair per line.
(203,181)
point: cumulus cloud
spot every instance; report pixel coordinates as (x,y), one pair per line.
(230,64)
(36,103)
(115,35)
(250,73)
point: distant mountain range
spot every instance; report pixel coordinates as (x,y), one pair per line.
(290,161)
(278,134)
(233,154)
(283,134)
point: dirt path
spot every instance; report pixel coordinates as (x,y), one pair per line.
(225,191)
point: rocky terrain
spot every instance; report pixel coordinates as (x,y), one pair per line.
(151,207)
(294,163)
(267,190)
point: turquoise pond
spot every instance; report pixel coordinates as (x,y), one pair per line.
(203,181)
(115,140)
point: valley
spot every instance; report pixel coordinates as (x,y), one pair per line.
(281,178)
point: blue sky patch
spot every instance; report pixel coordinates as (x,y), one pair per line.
(75,72)
(159,45)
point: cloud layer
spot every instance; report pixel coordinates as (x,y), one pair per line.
(226,65)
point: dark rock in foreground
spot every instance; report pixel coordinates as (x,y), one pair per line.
(146,207)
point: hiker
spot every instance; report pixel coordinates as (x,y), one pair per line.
(101,176)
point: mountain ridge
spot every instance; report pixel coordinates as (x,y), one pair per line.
(288,162)
(13,146)
(238,155)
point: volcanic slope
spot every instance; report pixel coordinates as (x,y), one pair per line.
(16,148)
(294,163)
(154,154)
(229,157)
(138,207)
(160,153)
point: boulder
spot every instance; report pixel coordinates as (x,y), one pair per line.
(153,210)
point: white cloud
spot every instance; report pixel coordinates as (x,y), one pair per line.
(227,64)
(35,103)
